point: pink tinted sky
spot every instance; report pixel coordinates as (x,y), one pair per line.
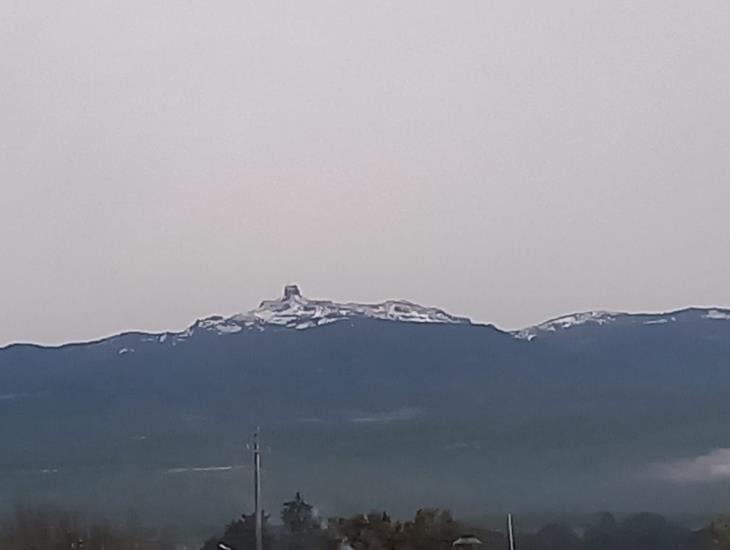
(510,161)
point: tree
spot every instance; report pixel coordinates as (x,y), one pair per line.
(240,534)
(653,532)
(553,537)
(299,517)
(48,528)
(431,529)
(374,531)
(715,536)
(603,534)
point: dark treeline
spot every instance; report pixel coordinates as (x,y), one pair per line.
(301,528)
(435,529)
(636,532)
(50,528)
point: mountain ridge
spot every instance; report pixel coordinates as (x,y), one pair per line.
(601,318)
(294,311)
(355,406)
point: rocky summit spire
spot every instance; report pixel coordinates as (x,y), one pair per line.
(298,312)
(291,291)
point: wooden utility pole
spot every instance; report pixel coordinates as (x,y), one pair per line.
(257,492)
(510,533)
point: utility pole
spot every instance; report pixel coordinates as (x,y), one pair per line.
(257,492)
(510,533)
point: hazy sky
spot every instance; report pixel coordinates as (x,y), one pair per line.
(511,161)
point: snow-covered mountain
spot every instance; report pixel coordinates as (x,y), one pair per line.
(406,392)
(603,318)
(294,311)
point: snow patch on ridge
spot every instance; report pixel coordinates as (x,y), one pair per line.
(567,322)
(294,311)
(662,321)
(718,315)
(601,318)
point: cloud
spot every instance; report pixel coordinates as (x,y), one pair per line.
(205,469)
(713,466)
(311,420)
(461,446)
(402,414)
(14,396)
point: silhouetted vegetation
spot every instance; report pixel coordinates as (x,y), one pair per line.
(636,532)
(434,529)
(240,534)
(303,529)
(430,529)
(299,516)
(48,528)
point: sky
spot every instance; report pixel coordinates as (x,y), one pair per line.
(162,161)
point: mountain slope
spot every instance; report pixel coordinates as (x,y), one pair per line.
(389,405)
(594,319)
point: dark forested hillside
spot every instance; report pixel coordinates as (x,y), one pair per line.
(369,412)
